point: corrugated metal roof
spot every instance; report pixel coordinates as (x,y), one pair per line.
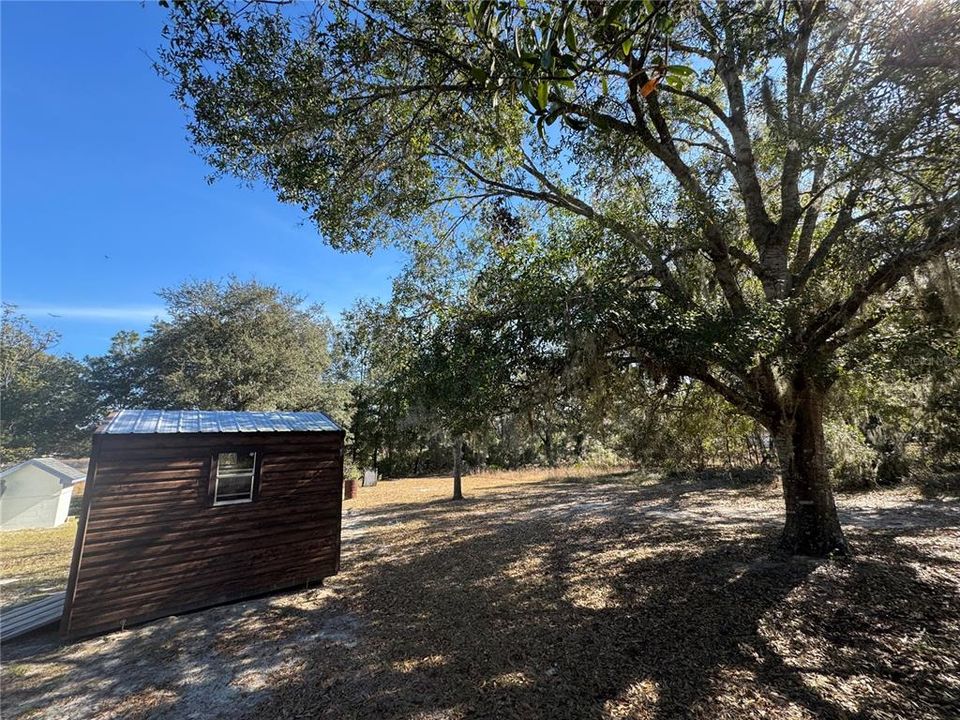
(215,421)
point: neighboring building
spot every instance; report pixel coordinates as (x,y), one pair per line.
(187,509)
(36,494)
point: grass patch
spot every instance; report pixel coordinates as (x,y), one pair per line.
(34,563)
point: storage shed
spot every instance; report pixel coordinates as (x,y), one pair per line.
(36,494)
(187,509)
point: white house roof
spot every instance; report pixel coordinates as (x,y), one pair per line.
(63,472)
(215,421)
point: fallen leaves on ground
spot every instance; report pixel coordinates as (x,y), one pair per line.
(558,596)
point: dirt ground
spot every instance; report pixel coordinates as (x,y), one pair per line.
(553,596)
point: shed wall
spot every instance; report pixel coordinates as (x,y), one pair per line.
(150,544)
(63,506)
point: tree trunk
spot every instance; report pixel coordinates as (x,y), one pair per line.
(457,467)
(548,444)
(812,526)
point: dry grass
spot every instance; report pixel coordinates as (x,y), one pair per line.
(414,491)
(34,563)
(543,596)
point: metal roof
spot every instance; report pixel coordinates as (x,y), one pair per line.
(215,421)
(63,472)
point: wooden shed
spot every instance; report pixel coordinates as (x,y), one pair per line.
(187,509)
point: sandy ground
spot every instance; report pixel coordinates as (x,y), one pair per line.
(553,597)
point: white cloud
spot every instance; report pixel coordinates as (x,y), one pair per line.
(76,312)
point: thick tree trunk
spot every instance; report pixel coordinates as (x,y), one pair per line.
(457,467)
(812,526)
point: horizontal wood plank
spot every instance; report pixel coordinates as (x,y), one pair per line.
(225,533)
(148,571)
(176,585)
(99,625)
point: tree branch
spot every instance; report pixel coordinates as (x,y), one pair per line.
(834,318)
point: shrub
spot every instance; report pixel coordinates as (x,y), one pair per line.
(351,471)
(853,463)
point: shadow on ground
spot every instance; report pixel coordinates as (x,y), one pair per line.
(561,600)
(547,605)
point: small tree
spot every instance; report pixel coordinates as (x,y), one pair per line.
(459,377)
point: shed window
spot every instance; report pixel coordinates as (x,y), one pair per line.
(235,479)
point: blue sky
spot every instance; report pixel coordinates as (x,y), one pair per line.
(102,201)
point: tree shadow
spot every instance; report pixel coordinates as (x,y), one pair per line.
(542,626)
(564,602)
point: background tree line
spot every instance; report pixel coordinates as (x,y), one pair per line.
(236,345)
(515,368)
(490,371)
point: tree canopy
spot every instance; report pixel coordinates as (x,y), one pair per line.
(235,345)
(45,405)
(761,175)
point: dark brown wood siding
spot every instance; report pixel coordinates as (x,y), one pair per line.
(151,544)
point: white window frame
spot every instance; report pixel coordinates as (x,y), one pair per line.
(253,478)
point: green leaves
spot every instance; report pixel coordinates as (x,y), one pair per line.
(546,59)
(576,123)
(677,76)
(543,49)
(543,90)
(570,34)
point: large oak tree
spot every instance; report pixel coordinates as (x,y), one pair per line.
(778,167)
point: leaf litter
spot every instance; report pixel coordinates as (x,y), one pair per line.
(556,595)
